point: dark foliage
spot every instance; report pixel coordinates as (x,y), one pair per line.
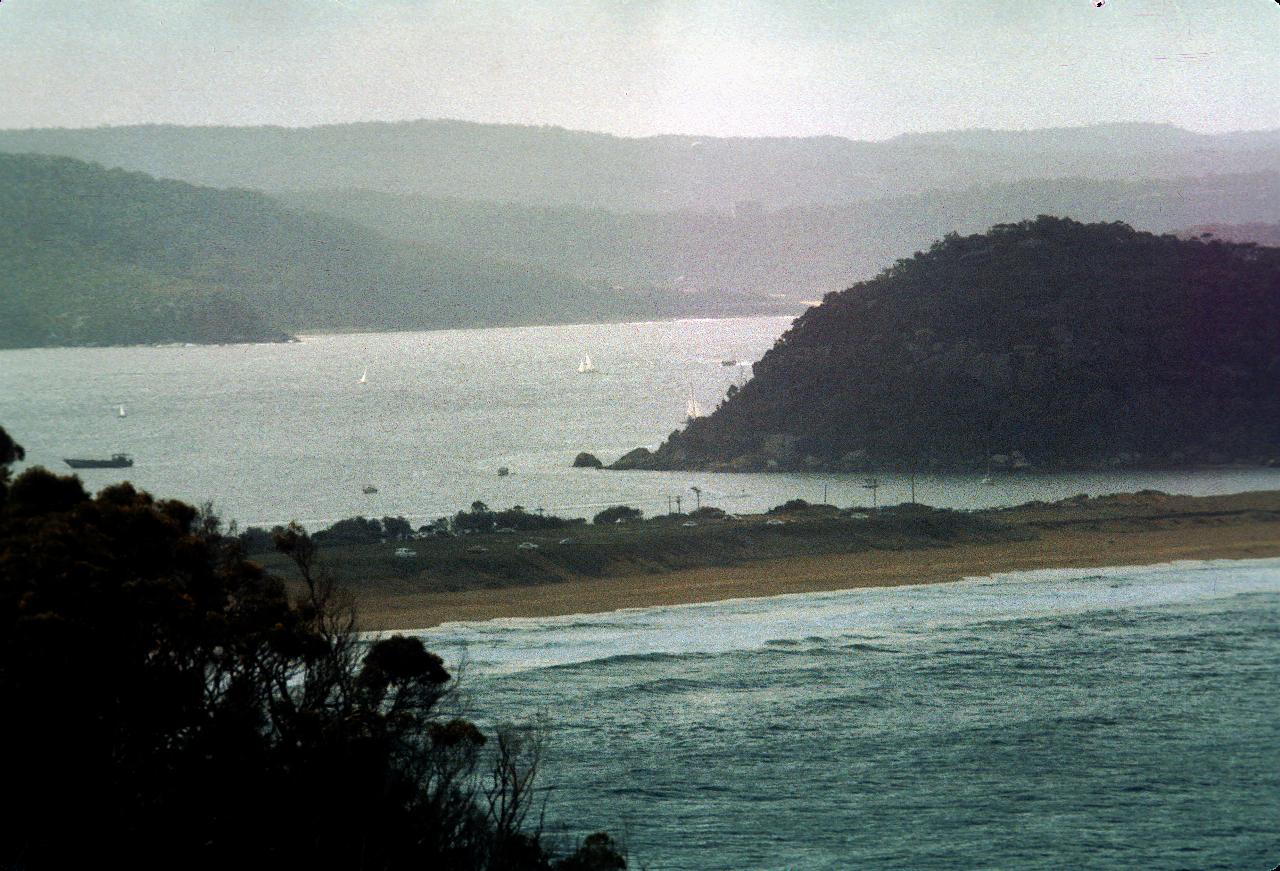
(10,453)
(354,530)
(598,852)
(789,505)
(615,513)
(1047,343)
(482,519)
(397,528)
(168,705)
(255,539)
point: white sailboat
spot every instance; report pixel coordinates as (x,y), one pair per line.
(121,413)
(585,365)
(692,410)
(364,376)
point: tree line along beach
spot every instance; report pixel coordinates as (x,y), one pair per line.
(708,555)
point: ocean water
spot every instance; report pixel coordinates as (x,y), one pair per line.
(1104,719)
(272,433)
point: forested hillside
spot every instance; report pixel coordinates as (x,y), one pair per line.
(1045,344)
(797,253)
(425,224)
(97,256)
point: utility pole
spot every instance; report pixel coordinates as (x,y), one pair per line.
(913,486)
(677,505)
(872,484)
(824,494)
(668,503)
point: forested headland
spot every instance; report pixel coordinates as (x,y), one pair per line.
(1045,344)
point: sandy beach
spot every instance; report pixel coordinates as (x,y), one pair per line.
(1116,534)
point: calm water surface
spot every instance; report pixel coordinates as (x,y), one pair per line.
(271,433)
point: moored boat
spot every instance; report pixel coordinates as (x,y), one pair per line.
(117,461)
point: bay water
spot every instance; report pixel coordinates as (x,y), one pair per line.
(1100,718)
(276,432)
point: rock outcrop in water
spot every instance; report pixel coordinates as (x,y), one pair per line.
(586,460)
(1043,344)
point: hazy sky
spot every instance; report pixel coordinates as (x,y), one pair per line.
(866,69)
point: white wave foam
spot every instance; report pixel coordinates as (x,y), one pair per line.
(517,644)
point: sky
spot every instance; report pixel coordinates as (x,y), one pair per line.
(864,69)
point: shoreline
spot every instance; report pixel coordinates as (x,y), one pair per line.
(938,471)
(304,334)
(1054,548)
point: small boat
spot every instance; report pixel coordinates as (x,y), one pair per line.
(121,413)
(585,365)
(369,489)
(728,362)
(503,471)
(364,376)
(692,410)
(117,461)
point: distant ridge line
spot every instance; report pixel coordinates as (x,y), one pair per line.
(561,128)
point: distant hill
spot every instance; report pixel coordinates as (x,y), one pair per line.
(1257,233)
(98,256)
(798,253)
(550,166)
(1047,343)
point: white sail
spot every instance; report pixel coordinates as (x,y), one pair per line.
(585,364)
(122,413)
(364,376)
(692,409)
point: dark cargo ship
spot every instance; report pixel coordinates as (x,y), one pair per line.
(117,461)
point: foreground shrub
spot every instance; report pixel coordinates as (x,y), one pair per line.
(169,705)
